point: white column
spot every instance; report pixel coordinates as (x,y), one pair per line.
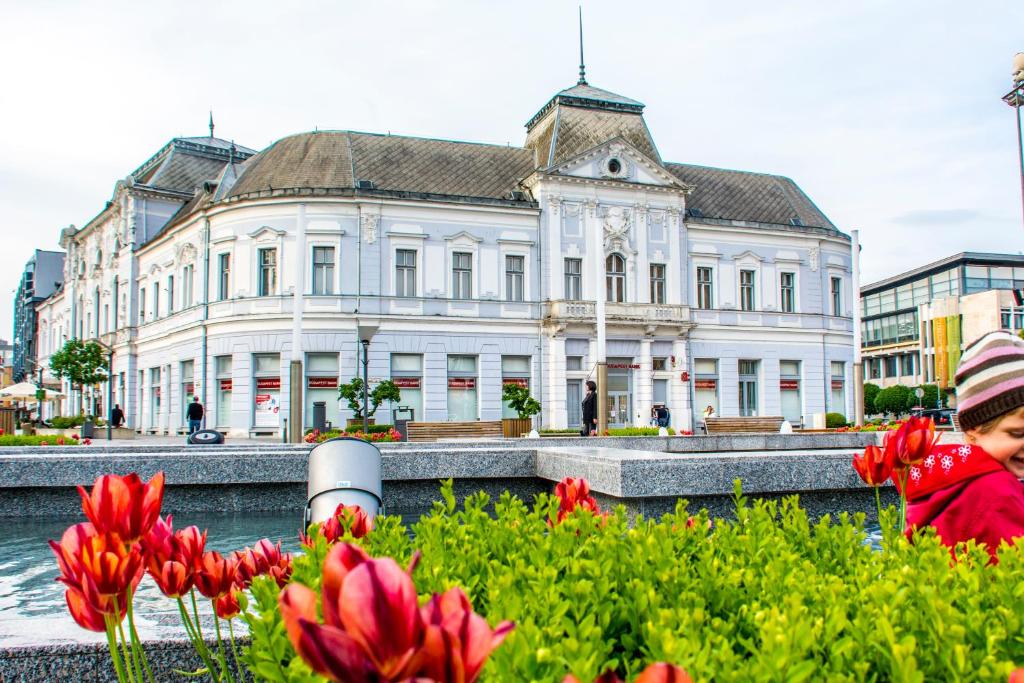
(644,386)
(555,411)
(555,282)
(676,261)
(679,399)
(642,267)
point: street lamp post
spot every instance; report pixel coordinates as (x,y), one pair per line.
(365,331)
(1015,98)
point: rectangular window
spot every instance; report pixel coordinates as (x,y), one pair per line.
(407,374)
(574,362)
(323,270)
(657,283)
(659,364)
(156,300)
(266,397)
(705,388)
(462,275)
(837,296)
(463,405)
(170,294)
(267,284)
(747,290)
(908,365)
(787,292)
(789,391)
(890,366)
(705,291)
(573,279)
(514,370)
(514,266)
(405,272)
(838,394)
(142,305)
(748,387)
(322,386)
(186,286)
(224,386)
(223,276)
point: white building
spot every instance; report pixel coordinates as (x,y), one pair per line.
(476,265)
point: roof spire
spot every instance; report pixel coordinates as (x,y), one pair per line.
(583,69)
(211,123)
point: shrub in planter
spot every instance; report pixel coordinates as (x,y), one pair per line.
(835,420)
(637,431)
(38,440)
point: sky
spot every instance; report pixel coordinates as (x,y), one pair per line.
(887,114)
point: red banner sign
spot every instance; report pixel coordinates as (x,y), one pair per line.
(190,388)
(225,385)
(406,382)
(624,366)
(322,382)
(462,382)
(518,381)
(789,384)
(268,382)
(705,384)
(837,384)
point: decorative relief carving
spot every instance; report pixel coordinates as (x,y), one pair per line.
(616,229)
(555,202)
(370,221)
(572,210)
(813,258)
(185,254)
(591,207)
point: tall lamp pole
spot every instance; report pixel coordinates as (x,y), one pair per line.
(1015,98)
(110,384)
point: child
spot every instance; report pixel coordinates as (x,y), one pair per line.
(972,491)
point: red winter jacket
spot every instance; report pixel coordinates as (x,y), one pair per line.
(964,493)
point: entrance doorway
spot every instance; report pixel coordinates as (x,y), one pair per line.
(619,395)
(618,408)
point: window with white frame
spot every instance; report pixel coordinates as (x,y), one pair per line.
(615,278)
(514,278)
(837,295)
(787,292)
(223,275)
(747,298)
(657,283)
(705,287)
(323,270)
(462,275)
(170,294)
(405,272)
(267,274)
(573,279)
(142,305)
(186,285)
(156,300)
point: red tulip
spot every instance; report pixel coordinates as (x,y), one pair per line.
(340,560)
(266,554)
(124,505)
(912,442)
(873,465)
(663,673)
(325,648)
(457,641)
(158,544)
(379,610)
(350,518)
(606,677)
(84,614)
(215,574)
(110,567)
(573,493)
(226,606)
(189,545)
(245,567)
(282,571)
(174,579)
(69,552)
(1016,676)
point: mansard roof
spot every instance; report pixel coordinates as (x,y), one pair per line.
(346,162)
(184,164)
(720,193)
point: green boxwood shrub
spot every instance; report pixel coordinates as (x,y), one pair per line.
(35,440)
(769,595)
(637,431)
(835,420)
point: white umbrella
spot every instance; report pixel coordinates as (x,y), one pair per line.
(26,391)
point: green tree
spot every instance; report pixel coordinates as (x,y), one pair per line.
(870,392)
(519,399)
(893,400)
(81,363)
(930,399)
(353,393)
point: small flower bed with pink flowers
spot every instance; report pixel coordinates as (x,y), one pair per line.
(37,440)
(316,436)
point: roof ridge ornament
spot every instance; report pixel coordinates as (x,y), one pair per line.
(583,69)
(211,122)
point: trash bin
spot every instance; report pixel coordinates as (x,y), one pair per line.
(343,470)
(320,416)
(205,437)
(88,428)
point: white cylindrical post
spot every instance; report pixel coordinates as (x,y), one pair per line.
(858,363)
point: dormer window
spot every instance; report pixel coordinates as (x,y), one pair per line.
(614,166)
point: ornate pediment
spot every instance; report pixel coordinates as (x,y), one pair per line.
(618,161)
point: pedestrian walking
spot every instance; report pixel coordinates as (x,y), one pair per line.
(195,415)
(590,410)
(116,416)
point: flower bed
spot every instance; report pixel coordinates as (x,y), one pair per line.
(41,440)
(391,434)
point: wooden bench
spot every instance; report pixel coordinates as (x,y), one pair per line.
(742,425)
(436,431)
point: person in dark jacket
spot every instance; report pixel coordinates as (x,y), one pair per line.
(973,490)
(195,415)
(590,410)
(116,416)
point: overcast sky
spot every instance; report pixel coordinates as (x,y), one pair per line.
(886,113)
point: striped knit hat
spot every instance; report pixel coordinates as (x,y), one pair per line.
(990,379)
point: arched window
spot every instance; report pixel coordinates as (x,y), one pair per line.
(615,278)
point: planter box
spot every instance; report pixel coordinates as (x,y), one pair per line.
(514,427)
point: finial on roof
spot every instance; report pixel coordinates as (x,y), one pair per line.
(583,69)
(211,123)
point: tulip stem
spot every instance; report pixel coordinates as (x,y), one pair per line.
(195,609)
(130,662)
(197,642)
(234,651)
(220,644)
(878,504)
(115,655)
(137,649)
